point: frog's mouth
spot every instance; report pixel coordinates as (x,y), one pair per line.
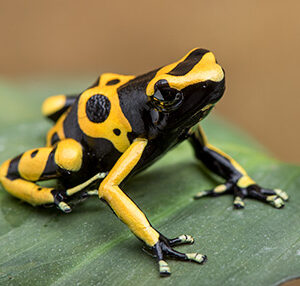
(198,116)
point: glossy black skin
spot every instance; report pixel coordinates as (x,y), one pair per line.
(163,129)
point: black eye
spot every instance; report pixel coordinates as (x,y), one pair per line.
(166,98)
(167,95)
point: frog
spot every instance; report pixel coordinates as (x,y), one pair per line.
(118,127)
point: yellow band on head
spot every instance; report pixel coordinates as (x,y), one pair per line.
(205,69)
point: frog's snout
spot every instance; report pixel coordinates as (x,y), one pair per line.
(218,91)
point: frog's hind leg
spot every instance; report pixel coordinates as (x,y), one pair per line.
(57,108)
(54,106)
(18,176)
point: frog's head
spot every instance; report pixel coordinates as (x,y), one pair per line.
(188,89)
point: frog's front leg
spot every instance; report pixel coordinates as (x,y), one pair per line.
(237,180)
(134,218)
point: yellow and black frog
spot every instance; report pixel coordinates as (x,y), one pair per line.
(118,127)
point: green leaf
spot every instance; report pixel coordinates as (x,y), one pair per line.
(259,245)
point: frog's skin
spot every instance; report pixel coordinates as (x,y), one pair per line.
(118,127)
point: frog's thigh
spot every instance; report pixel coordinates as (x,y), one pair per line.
(53,107)
(19,174)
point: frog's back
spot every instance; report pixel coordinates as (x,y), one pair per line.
(96,120)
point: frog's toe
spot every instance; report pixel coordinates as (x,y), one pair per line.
(64,207)
(91,193)
(164,269)
(238,202)
(60,198)
(182,239)
(218,190)
(84,195)
(195,257)
(281,194)
(201,194)
(276,201)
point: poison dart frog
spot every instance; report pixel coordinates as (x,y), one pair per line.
(117,128)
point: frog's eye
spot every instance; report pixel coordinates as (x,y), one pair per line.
(166,98)
(167,95)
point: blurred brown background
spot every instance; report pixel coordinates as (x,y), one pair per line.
(257,42)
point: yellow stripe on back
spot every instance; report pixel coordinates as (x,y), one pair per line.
(115,120)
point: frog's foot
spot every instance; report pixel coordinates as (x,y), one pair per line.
(182,239)
(240,190)
(163,249)
(276,197)
(86,189)
(60,198)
